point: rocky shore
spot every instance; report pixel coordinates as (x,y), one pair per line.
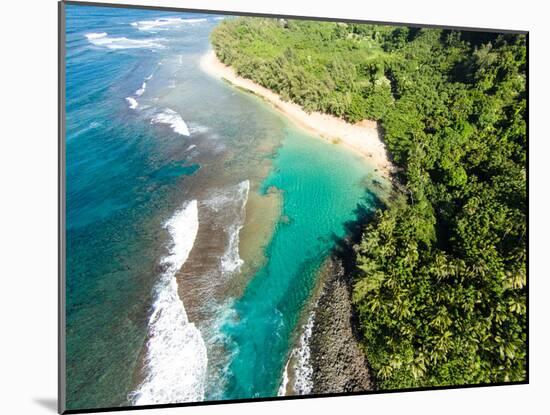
(338,363)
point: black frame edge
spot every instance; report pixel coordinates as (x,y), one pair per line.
(289,398)
(61,301)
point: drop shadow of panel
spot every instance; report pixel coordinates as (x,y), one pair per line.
(48,403)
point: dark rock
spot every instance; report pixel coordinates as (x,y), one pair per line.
(338,362)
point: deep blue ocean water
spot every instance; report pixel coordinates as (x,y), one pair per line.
(119,176)
(148,133)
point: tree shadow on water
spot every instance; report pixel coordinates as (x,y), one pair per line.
(343,251)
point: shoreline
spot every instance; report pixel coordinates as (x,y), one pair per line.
(336,359)
(363,137)
(338,362)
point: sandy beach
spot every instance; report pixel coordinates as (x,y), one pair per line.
(362,137)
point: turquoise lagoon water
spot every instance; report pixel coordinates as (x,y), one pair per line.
(161,160)
(322,184)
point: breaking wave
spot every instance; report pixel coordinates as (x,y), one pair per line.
(303,384)
(284,383)
(302,369)
(132,103)
(104,40)
(173,119)
(231,261)
(164,23)
(141,90)
(176,359)
(231,202)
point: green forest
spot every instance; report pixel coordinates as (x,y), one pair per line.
(440,272)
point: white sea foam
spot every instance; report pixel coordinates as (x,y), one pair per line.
(284,383)
(231,261)
(141,90)
(173,119)
(91,36)
(222,346)
(176,359)
(132,103)
(164,23)
(191,21)
(183,227)
(198,129)
(104,40)
(303,382)
(231,202)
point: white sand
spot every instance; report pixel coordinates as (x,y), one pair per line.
(362,137)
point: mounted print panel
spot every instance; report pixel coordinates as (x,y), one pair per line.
(271,206)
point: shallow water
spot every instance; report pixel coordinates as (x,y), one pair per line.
(321,185)
(152,142)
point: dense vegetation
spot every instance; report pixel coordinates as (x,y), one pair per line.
(440,285)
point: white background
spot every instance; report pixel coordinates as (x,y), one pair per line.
(28,204)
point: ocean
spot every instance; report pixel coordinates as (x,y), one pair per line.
(198,217)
